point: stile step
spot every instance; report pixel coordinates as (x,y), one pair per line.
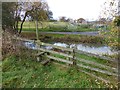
(40,53)
(45,62)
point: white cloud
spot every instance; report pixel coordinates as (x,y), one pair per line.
(88,9)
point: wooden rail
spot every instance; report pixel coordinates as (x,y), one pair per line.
(97,70)
(70,49)
(62,48)
(59,59)
(81,60)
(97,56)
(54,52)
(97,64)
(75,61)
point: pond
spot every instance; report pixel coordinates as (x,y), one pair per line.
(95,49)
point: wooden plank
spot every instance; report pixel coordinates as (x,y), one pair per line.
(97,64)
(97,56)
(99,78)
(38,59)
(53,52)
(23,39)
(74,60)
(44,62)
(59,59)
(54,46)
(97,70)
(40,53)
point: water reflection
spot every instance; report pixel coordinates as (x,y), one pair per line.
(91,49)
(83,47)
(30,45)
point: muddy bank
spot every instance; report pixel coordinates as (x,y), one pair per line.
(65,38)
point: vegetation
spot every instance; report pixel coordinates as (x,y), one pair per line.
(57,27)
(114,34)
(21,70)
(65,38)
(37,11)
(26,73)
(112,37)
(19,66)
(7,17)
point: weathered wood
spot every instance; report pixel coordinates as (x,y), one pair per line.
(97,56)
(40,53)
(38,58)
(99,78)
(97,70)
(97,64)
(53,52)
(44,62)
(24,39)
(74,60)
(54,46)
(59,59)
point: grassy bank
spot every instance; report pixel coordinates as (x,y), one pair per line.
(21,70)
(65,38)
(27,73)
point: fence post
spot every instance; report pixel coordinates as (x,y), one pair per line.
(74,60)
(68,52)
(38,46)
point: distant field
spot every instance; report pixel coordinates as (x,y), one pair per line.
(44,24)
(56,27)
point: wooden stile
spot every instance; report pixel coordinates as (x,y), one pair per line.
(72,59)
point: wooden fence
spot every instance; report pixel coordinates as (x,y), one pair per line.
(70,56)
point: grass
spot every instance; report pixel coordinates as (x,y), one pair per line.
(112,79)
(56,27)
(26,73)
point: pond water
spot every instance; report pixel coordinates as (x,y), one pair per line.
(95,49)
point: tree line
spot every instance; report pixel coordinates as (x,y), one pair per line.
(11,14)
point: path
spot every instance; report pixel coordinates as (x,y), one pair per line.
(92,33)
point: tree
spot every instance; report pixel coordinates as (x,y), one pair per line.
(111,11)
(116,21)
(62,19)
(102,20)
(50,15)
(11,13)
(113,39)
(36,10)
(8,20)
(80,20)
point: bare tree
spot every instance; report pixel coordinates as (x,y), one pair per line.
(37,11)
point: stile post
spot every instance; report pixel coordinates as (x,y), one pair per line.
(68,52)
(74,60)
(38,46)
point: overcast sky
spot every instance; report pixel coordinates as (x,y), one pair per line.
(87,9)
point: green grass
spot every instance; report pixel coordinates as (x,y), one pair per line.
(26,73)
(56,27)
